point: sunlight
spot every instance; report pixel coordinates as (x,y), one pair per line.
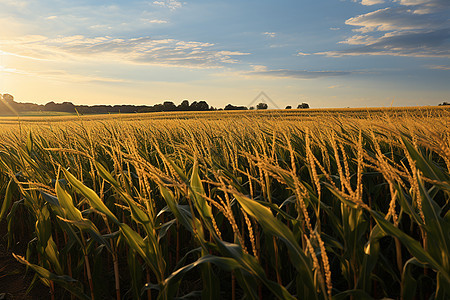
(2,100)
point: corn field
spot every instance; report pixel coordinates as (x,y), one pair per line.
(236,208)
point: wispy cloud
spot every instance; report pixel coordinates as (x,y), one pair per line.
(439,67)
(296,74)
(171,4)
(371,2)
(404,43)
(397,18)
(270,34)
(14,3)
(418,28)
(142,50)
(156,21)
(61,75)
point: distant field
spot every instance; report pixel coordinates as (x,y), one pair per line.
(39,114)
(436,111)
(287,204)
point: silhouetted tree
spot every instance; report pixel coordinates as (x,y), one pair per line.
(444,103)
(7,105)
(8,102)
(169,106)
(303,105)
(8,98)
(50,106)
(199,106)
(157,108)
(232,107)
(288,107)
(261,106)
(184,106)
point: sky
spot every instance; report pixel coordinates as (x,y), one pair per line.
(327,53)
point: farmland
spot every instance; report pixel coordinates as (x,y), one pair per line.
(343,204)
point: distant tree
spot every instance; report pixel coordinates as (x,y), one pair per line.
(261,106)
(67,107)
(203,106)
(288,107)
(232,107)
(251,108)
(193,106)
(50,106)
(169,106)
(27,107)
(157,108)
(184,105)
(199,106)
(7,104)
(127,109)
(303,105)
(8,98)
(444,103)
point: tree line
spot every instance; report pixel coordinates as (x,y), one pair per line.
(9,106)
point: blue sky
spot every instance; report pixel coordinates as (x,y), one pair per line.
(348,53)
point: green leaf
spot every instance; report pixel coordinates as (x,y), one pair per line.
(8,199)
(409,283)
(66,202)
(275,227)
(51,252)
(199,201)
(138,244)
(437,231)
(428,168)
(30,142)
(354,294)
(91,196)
(252,270)
(411,244)
(137,214)
(66,282)
(174,279)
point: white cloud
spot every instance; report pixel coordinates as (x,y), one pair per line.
(418,28)
(404,43)
(424,2)
(142,50)
(156,21)
(259,68)
(171,4)
(270,34)
(398,18)
(371,2)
